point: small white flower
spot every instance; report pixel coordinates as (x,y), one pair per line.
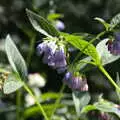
(36,80)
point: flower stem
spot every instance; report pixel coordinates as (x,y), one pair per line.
(18,103)
(109,77)
(31,50)
(36,100)
(58,100)
(91,41)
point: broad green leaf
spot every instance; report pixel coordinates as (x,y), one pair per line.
(11,84)
(42,25)
(106,25)
(16,60)
(104,106)
(115,21)
(106,56)
(107,106)
(83,46)
(80,99)
(81,64)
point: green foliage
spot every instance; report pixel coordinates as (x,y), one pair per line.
(11,84)
(54,16)
(81,64)
(42,25)
(50,95)
(16,60)
(84,46)
(80,99)
(104,106)
(115,21)
(106,25)
(106,56)
(18,66)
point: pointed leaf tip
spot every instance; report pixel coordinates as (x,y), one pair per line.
(41,25)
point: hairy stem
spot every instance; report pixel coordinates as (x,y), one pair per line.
(18,103)
(36,100)
(109,77)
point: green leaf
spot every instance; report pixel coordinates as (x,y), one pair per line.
(106,25)
(15,59)
(54,16)
(80,99)
(115,21)
(33,110)
(50,95)
(88,108)
(106,56)
(104,106)
(107,106)
(83,46)
(11,84)
(42,25)
(118,83)
(81,64)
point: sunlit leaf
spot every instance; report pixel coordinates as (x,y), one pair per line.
(115,20)
(11,84)
(50,95)
(42,25)
(83,46)
(80,99)
(54,16)
(16,60)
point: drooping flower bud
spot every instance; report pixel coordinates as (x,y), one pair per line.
(103,116)
(114,46)
(60,25)
(75,82)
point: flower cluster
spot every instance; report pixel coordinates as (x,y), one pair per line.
(114,46)
(76,82)
(53,55)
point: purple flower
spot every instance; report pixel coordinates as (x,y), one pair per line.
(41,48)
(114,47)
(53,55)
(104,116)
(60,58)
(60,25)
(75,82)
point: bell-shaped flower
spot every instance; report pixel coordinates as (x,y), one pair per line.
(53,55)
(75,82)
(114,46)
(60,25)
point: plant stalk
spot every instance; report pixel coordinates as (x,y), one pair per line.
(109,77)
(36,100)
(58,100)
